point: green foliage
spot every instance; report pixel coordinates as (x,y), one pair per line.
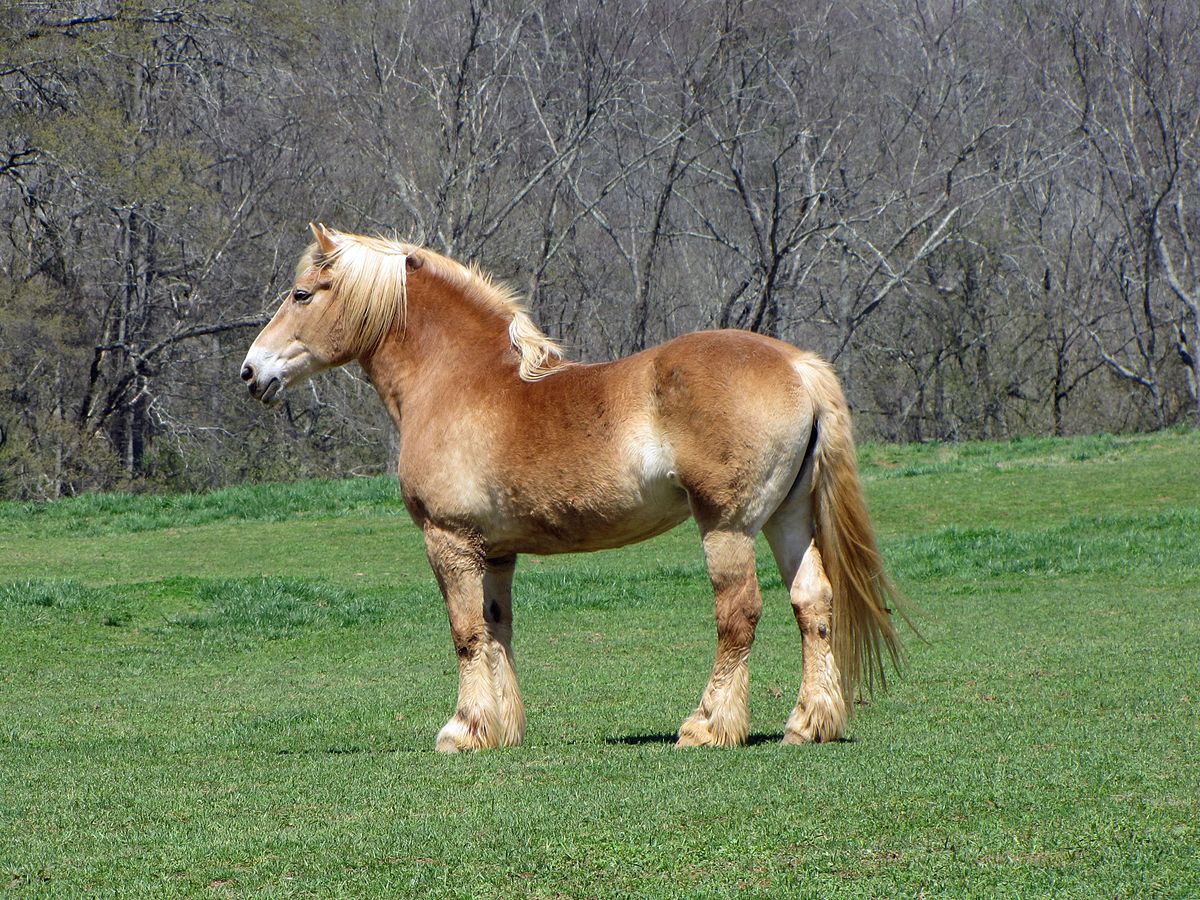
(905,460)
(1096,545)
(588,586)
(113,513)
(238,693)
(274,607)
(49,593)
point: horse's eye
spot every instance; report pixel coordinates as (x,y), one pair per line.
(300,296)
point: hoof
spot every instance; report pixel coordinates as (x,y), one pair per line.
(458,735)
(694,733)
(815,720)
(699,731)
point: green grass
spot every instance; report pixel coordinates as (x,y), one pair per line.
(237,694)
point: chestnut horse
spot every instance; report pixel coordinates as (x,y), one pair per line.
(507,448)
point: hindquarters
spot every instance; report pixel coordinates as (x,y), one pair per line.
(762,440)
(736,418)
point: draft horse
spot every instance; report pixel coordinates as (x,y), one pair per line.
(508,448)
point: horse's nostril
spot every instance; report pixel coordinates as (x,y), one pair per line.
(247,372)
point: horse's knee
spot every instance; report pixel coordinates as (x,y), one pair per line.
(466,642)
(738,614)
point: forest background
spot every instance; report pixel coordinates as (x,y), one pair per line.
(984,213)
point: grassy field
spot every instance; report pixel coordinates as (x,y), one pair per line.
(237,694)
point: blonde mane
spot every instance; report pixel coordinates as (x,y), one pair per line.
(369,276)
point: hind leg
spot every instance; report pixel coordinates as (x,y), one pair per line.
(722,719)
(820,711)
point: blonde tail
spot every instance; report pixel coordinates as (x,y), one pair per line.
(863,595)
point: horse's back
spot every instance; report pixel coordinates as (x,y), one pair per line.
(732,386)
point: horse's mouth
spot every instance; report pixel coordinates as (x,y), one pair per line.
(270,394)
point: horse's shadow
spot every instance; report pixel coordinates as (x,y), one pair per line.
(635,740)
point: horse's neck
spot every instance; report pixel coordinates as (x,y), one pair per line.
(450,345)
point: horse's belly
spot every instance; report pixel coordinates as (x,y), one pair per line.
(571,527)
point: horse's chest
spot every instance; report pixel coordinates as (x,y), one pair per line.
(444,480)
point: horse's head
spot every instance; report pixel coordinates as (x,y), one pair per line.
(299,340)
(325,320)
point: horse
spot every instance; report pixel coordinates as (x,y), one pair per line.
(508,447)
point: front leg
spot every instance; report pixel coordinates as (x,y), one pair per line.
(497,613)
(479,603)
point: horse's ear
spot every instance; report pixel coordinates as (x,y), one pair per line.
(414,261)
(324,237)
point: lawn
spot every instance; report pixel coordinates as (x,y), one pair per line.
(237,694)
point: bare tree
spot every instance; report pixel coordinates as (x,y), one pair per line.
(984,215)
(1134,95)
